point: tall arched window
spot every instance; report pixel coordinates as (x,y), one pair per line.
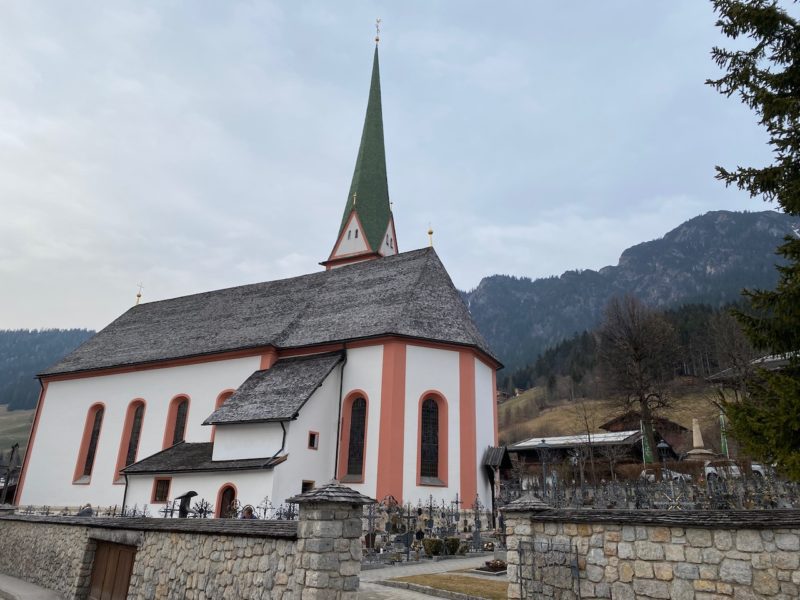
(432,461)
(175,430)
(355,446)
(89,441)
(131,434)
(429,445)
(221,399)
(353,439)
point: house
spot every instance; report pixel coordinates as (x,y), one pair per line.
(675,434)
(370,371)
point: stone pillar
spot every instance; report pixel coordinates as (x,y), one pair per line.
(517,516)
(328,560)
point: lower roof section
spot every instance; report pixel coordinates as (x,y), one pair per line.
(277,393)
(186,457)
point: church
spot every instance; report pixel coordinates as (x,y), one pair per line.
(369,371)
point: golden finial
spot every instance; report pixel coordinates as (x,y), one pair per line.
(377,30)
(139,293)
(430,235)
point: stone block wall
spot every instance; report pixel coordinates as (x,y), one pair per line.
(317,557)
(698,555)
(53,556)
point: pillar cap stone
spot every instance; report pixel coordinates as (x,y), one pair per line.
(524,503)
(332,492)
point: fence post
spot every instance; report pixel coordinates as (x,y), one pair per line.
(517,516)
(328,561)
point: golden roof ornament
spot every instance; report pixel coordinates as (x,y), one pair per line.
(139,293)
(377,30)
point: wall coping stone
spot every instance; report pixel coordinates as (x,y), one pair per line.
(703,519)
(233,527)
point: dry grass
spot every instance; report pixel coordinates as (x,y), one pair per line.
(15,426)
(566,419)
(474,586)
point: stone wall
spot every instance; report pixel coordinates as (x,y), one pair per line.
(53,556)
(626,555)
(317,557)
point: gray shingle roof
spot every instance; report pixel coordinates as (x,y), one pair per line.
(332,492)
(186,457)
(278,393)
(408,294)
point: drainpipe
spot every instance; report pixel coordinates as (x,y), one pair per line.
(125,493)
(283,440)
(339,419)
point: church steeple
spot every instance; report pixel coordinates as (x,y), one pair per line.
(367,228)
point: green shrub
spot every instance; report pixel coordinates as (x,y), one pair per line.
(433,546)
(452,544)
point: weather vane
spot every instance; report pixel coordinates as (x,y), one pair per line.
(139,293)
(377,30)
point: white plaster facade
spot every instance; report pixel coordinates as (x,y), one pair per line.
(49,480)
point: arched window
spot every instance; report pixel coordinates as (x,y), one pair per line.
(356,234)
(131,434)
(89,441)
(226,502)
(429,448)
(175,430)
(355,446)
(432,465)
(221,399)
(353,439)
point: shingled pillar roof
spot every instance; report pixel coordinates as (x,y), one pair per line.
(371,189)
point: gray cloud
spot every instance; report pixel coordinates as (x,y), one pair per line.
(199,145)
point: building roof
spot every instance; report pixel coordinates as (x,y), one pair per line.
(408,294)
(569,441)
(369,182)
(496,457)
(332,491)
(278,393)
(636,416)
(186,457)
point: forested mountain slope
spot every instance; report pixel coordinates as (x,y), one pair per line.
(24,353)
(708,259)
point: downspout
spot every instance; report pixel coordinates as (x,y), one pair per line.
(339,419)
(125,493)
(283,440)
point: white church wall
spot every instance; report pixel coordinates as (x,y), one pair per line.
(59,434)
(349,243)
(247,440)
(389,244)
(364,371)
(431,369)
(251,487)
(484,424)
(320,415)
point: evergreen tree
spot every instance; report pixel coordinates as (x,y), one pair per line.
(766,77)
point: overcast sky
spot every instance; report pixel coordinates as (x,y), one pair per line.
(199,145)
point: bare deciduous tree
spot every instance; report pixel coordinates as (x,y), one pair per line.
(638,350)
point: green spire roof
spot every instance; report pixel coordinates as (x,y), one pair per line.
(369,178)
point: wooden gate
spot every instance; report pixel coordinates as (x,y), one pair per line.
(111,573)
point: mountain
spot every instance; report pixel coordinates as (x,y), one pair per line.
(708,260)
(24,353)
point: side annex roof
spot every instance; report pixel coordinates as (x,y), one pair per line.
(193,457)
(408,294)
(277,393)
